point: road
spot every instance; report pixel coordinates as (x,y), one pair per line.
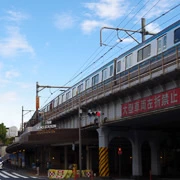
(11,175)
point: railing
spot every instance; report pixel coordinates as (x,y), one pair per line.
(153,67)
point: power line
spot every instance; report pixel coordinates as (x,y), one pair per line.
(98,59)
(90,64)
(118,43)
(107,38)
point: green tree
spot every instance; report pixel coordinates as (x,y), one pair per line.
(3,133)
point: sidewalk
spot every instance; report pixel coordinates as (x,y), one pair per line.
(28,172)
(32,172)
(44,176)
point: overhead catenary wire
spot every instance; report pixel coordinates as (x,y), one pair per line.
(90,64)
(154,20)
(107,38)
(98,59)
(123,39)
(87,68)
(124,20)
(118,43)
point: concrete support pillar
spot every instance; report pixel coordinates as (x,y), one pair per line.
(65,158)
(155,158)
(103,152)
(136,156)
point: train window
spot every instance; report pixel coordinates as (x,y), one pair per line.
(164,42)
(144,53)
(74,91)
(139,55)
(118,66)
(80,88)
(95,80)
(161,43)
(104,74)
(177,35)
(128,61)
(67,95)
(111,70)
(87,84)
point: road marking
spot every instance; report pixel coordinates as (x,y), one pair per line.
(9,174)
(3,175)
(19,175)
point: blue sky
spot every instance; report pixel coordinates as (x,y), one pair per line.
(53,41)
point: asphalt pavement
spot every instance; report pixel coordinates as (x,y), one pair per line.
(27,172)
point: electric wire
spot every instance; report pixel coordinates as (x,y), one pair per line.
(126,37)
(123,27)
(109,36)
(90,64)
(112,48)
(123,39)
(132,17)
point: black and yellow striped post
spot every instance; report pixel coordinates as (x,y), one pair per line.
(103,162)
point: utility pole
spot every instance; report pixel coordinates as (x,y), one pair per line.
(143,32)
(80,143)
(37,96)
(23,116)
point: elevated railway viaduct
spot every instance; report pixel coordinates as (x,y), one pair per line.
(136,134)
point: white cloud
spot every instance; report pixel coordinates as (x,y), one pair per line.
(64,21)
(153,28)
(25,85)
(8,97)
(14,44)
(16,16)
(11,74)
(100,13)
(89,25)
(155,8)
(3,82)
(127,40)
(108,9)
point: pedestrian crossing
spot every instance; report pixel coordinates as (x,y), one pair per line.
(11,175)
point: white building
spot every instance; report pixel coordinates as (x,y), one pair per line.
(12,132)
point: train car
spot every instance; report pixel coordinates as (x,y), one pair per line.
(140,55)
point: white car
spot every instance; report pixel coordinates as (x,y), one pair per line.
(1,164)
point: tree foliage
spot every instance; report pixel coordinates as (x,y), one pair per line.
(3,133)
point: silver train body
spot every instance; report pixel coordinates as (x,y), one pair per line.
(141,55)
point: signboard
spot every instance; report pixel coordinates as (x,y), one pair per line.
(150,103)
(66,174)
(47,125)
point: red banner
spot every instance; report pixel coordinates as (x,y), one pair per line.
(150,103)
